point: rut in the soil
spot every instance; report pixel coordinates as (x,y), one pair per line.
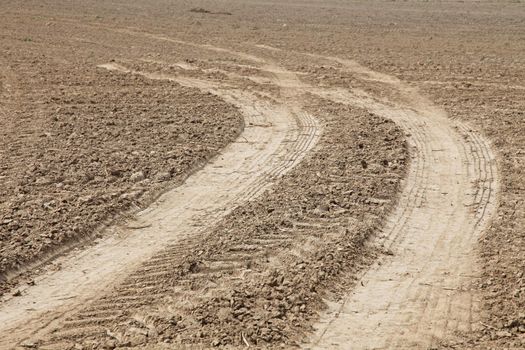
(275,139)
(423,292)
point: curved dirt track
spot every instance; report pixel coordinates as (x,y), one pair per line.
(274,140)
(423,292)
(410,299)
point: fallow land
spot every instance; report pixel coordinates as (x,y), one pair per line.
(267,174)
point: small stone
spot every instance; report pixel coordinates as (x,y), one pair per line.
(29,344)
(163,176)
(138,176)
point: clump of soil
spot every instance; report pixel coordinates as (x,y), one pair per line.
(202,10)
(199,10)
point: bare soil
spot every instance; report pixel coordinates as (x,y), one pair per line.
(262,276)
(80,145)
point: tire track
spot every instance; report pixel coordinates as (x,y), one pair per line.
(241,172)
(423,293)
(411,299)
(432,230)
(143,285)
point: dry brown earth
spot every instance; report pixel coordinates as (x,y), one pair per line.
(80,145)
(467,57)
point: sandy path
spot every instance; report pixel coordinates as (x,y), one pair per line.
(422,293)
(275,138)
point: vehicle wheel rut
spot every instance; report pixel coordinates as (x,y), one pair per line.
(274,140)
(422,292)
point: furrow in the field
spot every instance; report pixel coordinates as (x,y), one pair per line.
(97,314)
(118,303)
(485,169)
(268,241)
(478,159)
(76,333)
(235,257)
(313,223)
(89,322)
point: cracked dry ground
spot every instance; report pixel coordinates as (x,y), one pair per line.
(260,274)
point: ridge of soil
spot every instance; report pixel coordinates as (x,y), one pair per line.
(260,276)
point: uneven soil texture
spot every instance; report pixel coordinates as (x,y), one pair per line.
(262,174)
(81,145)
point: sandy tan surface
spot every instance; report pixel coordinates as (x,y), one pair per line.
(378,173)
